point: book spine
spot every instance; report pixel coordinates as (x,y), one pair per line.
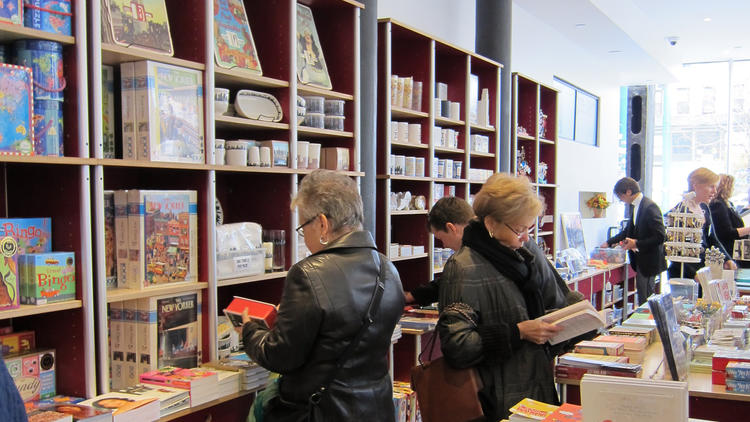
(121,238)
(130,341)
(143,88)
(23,280)
(127,85)
(147,342)
(116,350)
(574,373)
(109,239)
(108,112)
(136,261)
(193,221)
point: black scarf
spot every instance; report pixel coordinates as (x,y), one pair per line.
(518,265)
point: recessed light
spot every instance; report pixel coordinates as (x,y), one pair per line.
(580,25)
(706,19)
(614,51)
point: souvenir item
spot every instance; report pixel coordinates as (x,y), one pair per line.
(234,45)
(48,15)
(16,132)
(48,127)
(11,11)
(142,24)
(258,106)
(311,65)
(46,63)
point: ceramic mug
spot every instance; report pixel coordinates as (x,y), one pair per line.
(221,100)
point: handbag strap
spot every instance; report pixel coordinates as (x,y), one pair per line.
(367,320)
(458,307)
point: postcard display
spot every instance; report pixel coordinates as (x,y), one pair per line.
(177,83)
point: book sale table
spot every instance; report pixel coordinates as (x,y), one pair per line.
(706,400)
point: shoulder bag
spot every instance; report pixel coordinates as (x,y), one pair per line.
(445,393)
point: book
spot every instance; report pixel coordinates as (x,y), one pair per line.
(672,339)
(126,408)
(130,341)
(122,245)
(169,112)
(16,132)
(203,384)
(47,277)
(22,341)
(116,346)
(143,24)
(609,398)
(108,111)
(127,108)
(576,319)
(40,415)
(233,40)
(629,342)
(78,412)
(311,65)
(600,348)
(171,399)
(110,264)
(567,412)
(645,332)
(261,312)
(532,409)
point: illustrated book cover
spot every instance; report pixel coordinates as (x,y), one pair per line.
(180,378)
(140,24)
(170,399)
(311,65)
(233,41)
(169,112)
(262,312)
(125,407)
(671,337)
(576,319)
(16,132)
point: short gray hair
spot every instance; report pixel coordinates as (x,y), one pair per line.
(332,194)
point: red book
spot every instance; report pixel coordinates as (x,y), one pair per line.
(565,413)
(262,312)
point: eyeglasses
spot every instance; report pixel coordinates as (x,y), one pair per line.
(300,230)
(519,233)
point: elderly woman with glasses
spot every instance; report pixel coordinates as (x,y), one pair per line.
(491,292)
(330,308)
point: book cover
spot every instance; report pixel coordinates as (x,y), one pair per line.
(19,236)
(48,277)
(171,399)
(121,238)
(169,107)
(16,132)
(636,343)
(234,45)
(125,407)
(533,409)
(110,267)
(262,312)
(672,339)
(108,111)
(11,11)
(567,412)
(180,378)
(116,346)
(311,65)
(140,24)
(23,341)
(600,348)
(40,415)
(175,325)
(576,319)
(78,412)
(127,106)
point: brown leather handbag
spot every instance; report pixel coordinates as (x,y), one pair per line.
(445,393)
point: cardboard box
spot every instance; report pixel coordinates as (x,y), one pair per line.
(279,152)
(336,158)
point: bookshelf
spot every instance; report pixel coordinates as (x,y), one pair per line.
(246,193)
(534,141)
(408,52)
(64,182)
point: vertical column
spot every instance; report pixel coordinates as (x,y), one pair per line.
(368,60)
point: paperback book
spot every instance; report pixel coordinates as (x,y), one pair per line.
(234,45)
(125,407)
(261,312)
(110,266)
(108,111)
(171,399)
(576,319)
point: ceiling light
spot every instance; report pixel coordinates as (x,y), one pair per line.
(580,25)
(706,19)
(614,51)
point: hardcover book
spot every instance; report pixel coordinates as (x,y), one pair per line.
(262,312)
(234,45)
(169,112)
(47,277)
(140,24)
(311,65)
(16,132)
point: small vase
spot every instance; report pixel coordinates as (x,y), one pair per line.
(598,212)
(707,323)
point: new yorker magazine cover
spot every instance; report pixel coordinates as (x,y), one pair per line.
(169,228)
(140,23)
(234,41)
(16,132)
(178,322)
(311,65)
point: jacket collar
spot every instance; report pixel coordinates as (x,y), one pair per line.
(355,239)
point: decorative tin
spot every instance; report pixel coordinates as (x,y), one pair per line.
(16,133)
(45,60)
(48,15)
(48,127)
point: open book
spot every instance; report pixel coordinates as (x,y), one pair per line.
(262,312)
(576,319)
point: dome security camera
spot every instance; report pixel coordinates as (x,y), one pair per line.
(672,40)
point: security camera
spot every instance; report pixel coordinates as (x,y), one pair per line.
(672,40)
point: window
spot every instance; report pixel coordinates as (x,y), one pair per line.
(709,100)
(577,113)
(683,100)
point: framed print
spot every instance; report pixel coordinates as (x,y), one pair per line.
(311,65)
(573,232)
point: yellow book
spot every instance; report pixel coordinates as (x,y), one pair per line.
(533,409)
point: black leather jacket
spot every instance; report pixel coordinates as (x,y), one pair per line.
(324,299)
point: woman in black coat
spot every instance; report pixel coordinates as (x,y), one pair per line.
(727,222)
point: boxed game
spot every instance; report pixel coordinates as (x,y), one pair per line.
(33,373)
(16,342)
(19,236)
(47,277)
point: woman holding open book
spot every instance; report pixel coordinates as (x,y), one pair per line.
(491,293)
(337,313)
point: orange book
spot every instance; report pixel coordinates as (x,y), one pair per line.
(262,312)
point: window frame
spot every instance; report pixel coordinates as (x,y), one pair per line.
(561,84)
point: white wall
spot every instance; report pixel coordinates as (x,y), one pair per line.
(540,52)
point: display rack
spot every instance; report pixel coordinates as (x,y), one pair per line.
(593,285)
(537,137)
(409,52)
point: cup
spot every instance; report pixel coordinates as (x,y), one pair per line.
(303,151)
(219,151)
(221,100)
(268,260)
(265,156)
(278,238)
(313,156)
(236,152)
(253,156)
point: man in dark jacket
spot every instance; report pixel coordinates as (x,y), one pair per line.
(643,237)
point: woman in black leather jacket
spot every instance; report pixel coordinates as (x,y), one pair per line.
(325,298)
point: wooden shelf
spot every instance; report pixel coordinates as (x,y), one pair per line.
(406,113)
(320,92)
(10,32)
(444,121)
(212,403)
(444,180)
(481,129)
(545,233)
(349,173)
(409,178)
(408,258)
(313,132)
(115,54)
(408,145)
(26,310)
(410,212)
(546,141)
(255,169)
(525,137)
(114,162)
(234,122)
(250,278)
(239,77)
(43,159)
(449,150)
(118,295)
(482,154)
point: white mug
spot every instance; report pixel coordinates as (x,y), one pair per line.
(236,157)
(265,157)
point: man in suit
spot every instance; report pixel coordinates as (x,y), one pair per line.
(643,237)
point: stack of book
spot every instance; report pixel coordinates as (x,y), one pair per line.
(171,399)
(645,332)
(720,361)
(738,377)
(634,347)
(202,384)
(405,398)
(640,318)
(251,375)
(730,337)
(229,382)
(573,366)
(418,321)
(126,408)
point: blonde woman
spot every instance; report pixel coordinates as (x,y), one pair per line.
(727,222)
(491,291)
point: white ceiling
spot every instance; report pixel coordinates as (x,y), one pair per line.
(630,36)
